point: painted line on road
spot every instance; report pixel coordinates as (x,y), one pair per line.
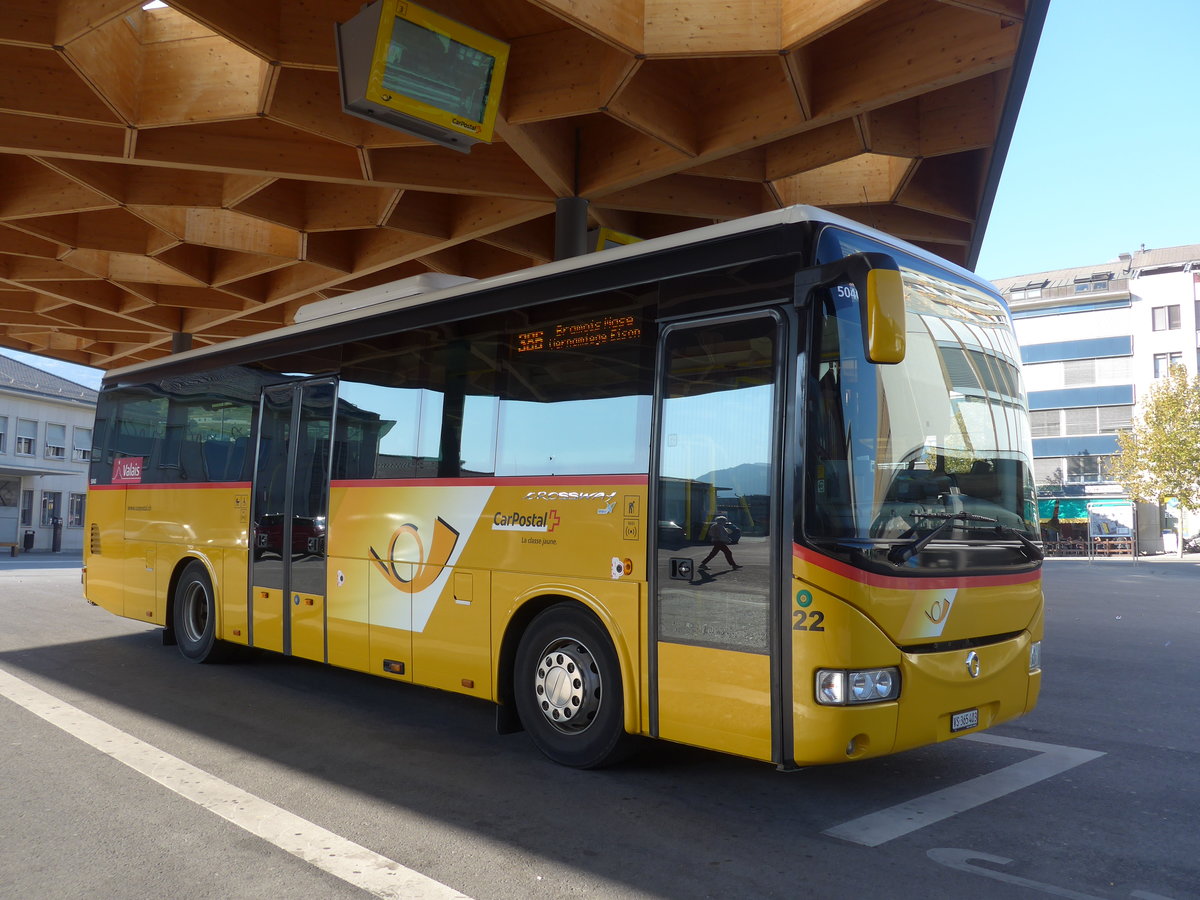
(896,821)
(339,857)
(962,860)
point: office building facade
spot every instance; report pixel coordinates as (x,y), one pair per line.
(1093,340)
(45,448)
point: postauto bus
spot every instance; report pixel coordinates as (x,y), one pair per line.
(504,488)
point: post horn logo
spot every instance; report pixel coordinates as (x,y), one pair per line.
(425,571)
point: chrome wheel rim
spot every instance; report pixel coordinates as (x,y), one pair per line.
(194,609)
(567,685)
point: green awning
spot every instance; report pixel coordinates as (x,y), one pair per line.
(1069,509)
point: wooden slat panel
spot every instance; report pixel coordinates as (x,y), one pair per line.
(198,80)
(619,22)
(109,58)
(561,73)
(712,27)
(39,81)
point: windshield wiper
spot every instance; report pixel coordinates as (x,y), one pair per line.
(902,553)
(1029,548)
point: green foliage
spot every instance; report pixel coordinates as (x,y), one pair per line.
(1160,457)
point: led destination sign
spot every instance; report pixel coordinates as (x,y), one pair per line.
(574,335)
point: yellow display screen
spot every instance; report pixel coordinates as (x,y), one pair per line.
(437,70)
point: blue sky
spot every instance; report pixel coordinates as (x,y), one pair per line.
(1105,153)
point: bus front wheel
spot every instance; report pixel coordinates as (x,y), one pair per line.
(195,616)
(567,688)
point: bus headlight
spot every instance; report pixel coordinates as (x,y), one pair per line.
(839,687)
(1035,656)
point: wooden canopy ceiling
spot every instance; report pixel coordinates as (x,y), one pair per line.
(189,169)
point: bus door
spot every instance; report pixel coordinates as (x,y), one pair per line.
(291,500)
(718,488)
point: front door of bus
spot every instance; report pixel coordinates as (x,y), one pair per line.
(718,509)
(291,500)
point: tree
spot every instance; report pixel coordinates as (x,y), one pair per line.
(1160,457)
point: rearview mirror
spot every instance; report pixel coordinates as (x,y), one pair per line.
(878,288)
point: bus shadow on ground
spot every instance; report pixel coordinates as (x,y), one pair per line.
(434,754)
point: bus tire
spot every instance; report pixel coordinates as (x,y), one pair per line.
(567,688)
(194,617)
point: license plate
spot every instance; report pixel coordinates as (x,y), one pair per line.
(964,720)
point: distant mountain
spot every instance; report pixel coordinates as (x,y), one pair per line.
(746,480)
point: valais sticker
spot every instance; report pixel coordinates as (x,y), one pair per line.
(127,470)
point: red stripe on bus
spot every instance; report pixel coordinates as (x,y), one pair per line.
(899,582)
(494,481)
(189,486)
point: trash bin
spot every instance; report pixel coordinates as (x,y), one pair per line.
(56,532)
(28,545)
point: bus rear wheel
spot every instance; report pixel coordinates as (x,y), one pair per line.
(567,688)
(194,617)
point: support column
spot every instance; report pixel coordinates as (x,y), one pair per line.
(180,341)
(570,227)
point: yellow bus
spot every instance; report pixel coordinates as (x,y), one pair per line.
(764,488)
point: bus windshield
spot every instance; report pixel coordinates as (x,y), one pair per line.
(938,442)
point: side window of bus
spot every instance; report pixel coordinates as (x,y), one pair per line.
(577,388)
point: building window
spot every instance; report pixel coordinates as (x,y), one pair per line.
(1086,469)
(26,508)
(27,430)
(51,507)
(82,444)
(1081,421)
(1115,418)
(1164,361)
(1078,372)
(1045,422)
(75,510)
(1166,318)
(56,441)
(3,434)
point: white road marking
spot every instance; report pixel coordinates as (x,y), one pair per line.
(896,821)
(960,859)
(339,857)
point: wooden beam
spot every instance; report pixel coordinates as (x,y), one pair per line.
(909,224)
(712,27)
(692,196)
(803,21)
(560,74)
(814,149)
(21,243)
(75,17)
(547,148)
(905,48)
(489,171)
(257,145)
(59,137)
(867,178)
(613,157)
(1014,10)
(39,81)
(533,239)
(28,23)
(656,100)
(28,190)
(963,116)
(619,22)
(749,165)
(108,58)
(948,185)
(258,33)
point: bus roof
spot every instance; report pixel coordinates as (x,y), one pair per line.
(399,295)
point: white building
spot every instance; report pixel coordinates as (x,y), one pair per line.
(45,446)
(1093,339)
